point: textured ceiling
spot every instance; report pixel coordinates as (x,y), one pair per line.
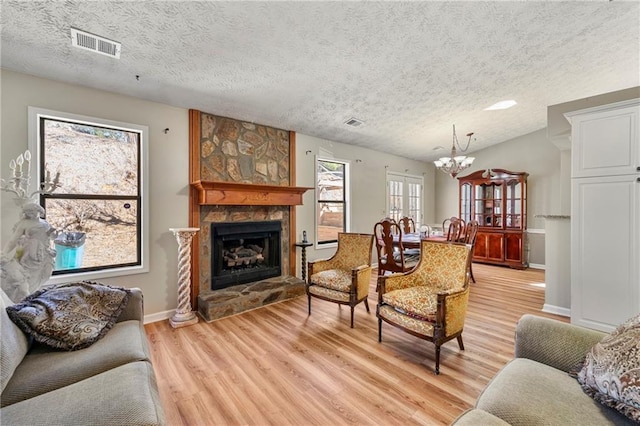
(409,70)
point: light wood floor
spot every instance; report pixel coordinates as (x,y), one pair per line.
(278,366)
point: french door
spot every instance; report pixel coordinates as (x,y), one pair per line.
(404,197)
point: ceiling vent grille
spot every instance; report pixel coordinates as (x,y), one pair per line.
(354,122)
(94,43)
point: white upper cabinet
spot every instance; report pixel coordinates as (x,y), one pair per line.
(605,140)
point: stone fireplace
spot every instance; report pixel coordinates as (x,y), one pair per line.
(240,181)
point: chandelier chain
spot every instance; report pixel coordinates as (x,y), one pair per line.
(456,163)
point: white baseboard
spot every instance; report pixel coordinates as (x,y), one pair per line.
(537,266)
(159,316)
(558,310)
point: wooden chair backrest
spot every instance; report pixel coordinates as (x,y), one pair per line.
(455,231)
(470,232)
(408,225)
(384,232)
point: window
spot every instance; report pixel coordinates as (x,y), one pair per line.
(404,197)
(331,195)
(100,212)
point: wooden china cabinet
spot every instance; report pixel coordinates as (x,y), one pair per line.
(498,201)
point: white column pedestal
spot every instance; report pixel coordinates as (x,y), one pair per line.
(184,314)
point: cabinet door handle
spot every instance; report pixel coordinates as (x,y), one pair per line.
(638,169)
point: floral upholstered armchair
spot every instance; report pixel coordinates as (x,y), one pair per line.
(345,277)
(430,301)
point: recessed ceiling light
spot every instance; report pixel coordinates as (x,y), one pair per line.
(501,105)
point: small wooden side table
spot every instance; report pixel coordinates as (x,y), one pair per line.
(304,246)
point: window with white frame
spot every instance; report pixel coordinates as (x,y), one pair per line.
(332,209)
(404,197)
(100,212)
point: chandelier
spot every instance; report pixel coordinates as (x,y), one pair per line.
(455,163)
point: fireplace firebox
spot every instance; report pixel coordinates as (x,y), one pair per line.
(244,252)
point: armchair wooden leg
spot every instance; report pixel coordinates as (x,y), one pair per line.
(379,330)
(437,370)
(352,316)
(366,305)
(460,343)
(309,297)
(471,273)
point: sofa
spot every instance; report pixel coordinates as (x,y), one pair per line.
(536,388)
(111,382)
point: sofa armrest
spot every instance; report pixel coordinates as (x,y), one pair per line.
(552,342)
(134,310)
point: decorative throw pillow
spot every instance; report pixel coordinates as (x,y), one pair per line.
(611,371)
(14,344)
(70,316)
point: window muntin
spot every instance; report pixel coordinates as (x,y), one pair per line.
(331,196)
(404,197)
(396,199)
(415,202)
(103,175)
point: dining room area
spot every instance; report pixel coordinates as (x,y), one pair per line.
(398,243)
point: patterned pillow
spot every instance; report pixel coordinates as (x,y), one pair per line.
(70,316)
(611,370)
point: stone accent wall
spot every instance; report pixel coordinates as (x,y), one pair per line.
(237,151)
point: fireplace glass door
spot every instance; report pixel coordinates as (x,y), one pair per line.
(244,252)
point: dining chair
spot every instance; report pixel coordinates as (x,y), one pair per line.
(454,229)
(470,236)
(407,224)
(390,249)
(345,277)
(430,301)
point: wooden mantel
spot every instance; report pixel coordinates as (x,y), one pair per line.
(247,194)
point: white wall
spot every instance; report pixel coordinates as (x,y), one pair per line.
(169,159)
(368,186)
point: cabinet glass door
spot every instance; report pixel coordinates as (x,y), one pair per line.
(465,202)
(514,216)
(488,205)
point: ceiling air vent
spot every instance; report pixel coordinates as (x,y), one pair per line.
(354,122)
(94,43)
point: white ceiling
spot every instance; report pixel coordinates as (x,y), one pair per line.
(409,70)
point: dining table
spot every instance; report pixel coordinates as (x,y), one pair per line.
(412,240)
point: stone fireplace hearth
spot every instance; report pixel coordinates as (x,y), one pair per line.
(240,178)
